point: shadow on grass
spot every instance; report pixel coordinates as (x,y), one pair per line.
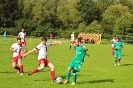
(125,55)
(7,72)
(98,81)
(126,64)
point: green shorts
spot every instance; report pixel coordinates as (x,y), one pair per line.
(118,54)
(75,66)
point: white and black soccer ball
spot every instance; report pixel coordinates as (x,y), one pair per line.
(59,80)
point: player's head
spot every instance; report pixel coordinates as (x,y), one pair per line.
(117,39)
(18,40)
(44,40)
(78,41)
(22,30)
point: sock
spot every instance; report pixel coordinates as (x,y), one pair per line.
(70,47)
(68,75)
(115,63)
(118,60)
(16,67)
(52,75)
(74,77)
(34,71)
(112,51)
(21,68)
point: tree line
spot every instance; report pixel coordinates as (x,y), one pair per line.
(61,17)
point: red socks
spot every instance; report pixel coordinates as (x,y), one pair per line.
(21,68)
(52,75)
(34,71)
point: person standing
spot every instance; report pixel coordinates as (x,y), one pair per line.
(51,37)
(42,48)
(77,61)
(113,41)
(5,37)
(72,40)
(17,56)
(22,35)
(117,52)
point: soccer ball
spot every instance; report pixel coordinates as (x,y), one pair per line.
(59,80)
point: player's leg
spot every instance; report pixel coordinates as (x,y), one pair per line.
(115,62)
(112,51)
(74,45)
(74,77)
(14,66)
(52,67)
(76,69)
(14,62)
(70,45)
(20,65)
(68,73)
(116,57)
(42,66)
(24,47)
(119,58)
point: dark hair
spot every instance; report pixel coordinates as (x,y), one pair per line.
(80,39)
(18,38)
(44,38)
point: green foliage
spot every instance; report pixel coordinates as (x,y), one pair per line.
(41,17)
(94,27)
(119,17)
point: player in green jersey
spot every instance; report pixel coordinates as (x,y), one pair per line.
(75,64)
(5,37)
(117,53)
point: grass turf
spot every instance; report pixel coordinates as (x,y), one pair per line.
(97,71)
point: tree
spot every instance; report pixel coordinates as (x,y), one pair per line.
(94,27)
(118,17)
(9,12)
(89,11)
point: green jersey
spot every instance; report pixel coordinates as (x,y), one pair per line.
(117,46)
(80,53)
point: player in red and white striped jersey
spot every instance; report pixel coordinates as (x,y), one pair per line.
(17,56)
(22,35)
(42,48)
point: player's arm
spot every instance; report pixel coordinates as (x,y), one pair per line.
(82,46)
(29,52)
(121,46)
(13,49)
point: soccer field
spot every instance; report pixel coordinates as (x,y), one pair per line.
(97,71)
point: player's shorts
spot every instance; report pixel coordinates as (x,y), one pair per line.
(118,54)
(15,59)
(75,66)
(23,44)
(43,61)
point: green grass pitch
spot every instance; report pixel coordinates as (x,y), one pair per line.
(97,71)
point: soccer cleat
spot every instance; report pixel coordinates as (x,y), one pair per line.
(29,73)
(73,83)
(66,82)
(21,73)
(115,65)
(118,64)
